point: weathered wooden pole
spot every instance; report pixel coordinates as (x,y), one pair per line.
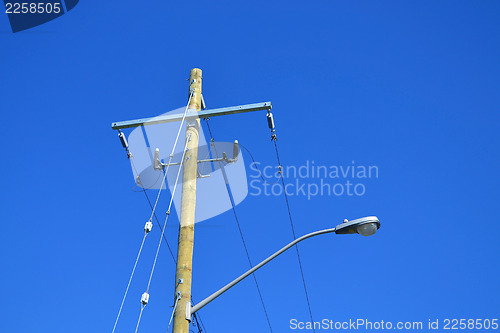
(183,274)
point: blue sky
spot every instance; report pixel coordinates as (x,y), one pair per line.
(411,87)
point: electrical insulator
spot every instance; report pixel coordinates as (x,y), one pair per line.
(123,140)
(148,227)
(145,298)
(203,106)
(270,121)
(235,150)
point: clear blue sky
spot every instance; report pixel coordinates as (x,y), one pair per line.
(411,87)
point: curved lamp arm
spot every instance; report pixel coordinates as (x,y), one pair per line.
(365,226)
(190,310)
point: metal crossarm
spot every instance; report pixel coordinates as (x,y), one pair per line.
(192,115)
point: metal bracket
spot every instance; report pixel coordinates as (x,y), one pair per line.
(202,176)
(188,311)
(193,123)
(159,165)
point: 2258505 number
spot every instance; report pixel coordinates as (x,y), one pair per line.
(32,8)
(470,324)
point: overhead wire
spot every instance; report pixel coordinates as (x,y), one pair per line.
(129,281)
(199,321)
(257,167)
(130,156)
(145,188)
(280,177)
(172,154)
(166,219)
(153,209)
(274,139)
(221,165)
(153,213)
(161,229)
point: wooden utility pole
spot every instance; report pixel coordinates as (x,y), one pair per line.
(183,274)
(188,202)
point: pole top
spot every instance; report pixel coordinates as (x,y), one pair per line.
(196,72)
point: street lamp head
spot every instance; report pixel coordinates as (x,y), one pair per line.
(365,226)
(367,229)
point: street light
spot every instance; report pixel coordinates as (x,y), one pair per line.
(365,226)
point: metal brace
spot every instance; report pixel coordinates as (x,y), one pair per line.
(159,165)
(201,176)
